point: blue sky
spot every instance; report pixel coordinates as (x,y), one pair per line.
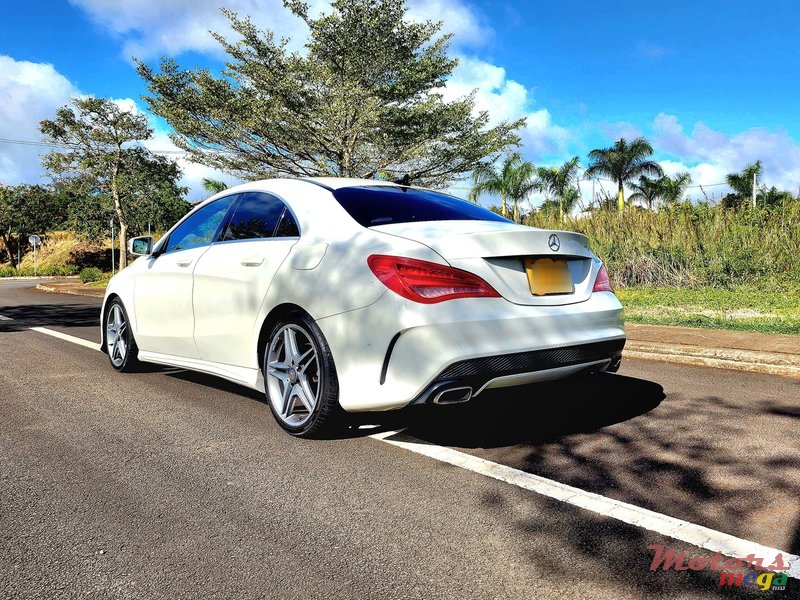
(713,85)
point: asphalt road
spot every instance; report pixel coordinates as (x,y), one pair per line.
(169,484)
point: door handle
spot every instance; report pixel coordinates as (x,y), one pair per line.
(252,261)
(184,262)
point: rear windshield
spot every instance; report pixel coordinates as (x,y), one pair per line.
(381,205)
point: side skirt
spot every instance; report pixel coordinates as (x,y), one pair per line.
(251,378)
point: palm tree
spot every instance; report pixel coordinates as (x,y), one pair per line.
(646,189)
(623,162)
(673,188)
(742,184)
(513,181)
(558,184)
(214,186)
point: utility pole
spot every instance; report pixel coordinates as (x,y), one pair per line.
(755,175)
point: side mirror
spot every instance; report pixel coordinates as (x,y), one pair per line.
(141,246)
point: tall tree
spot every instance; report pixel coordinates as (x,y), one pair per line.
(364,97)
(96,161)
(647,190)
(672,189)
(558,185)
(514,181)
(623,162)
(742,185)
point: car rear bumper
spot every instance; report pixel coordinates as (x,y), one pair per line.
(395,352)
(505,370)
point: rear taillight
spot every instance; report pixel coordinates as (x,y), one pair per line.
(427,282)
(601,282)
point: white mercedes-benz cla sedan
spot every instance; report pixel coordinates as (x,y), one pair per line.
(344,295)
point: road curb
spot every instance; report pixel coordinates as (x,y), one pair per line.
(101,292)
(772,363)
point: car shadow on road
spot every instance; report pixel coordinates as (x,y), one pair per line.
(538,413)
(535,413)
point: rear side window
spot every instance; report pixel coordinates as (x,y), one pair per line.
(381,205)
(256,216)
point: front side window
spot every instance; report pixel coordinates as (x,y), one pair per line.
(257,216)
(200,227)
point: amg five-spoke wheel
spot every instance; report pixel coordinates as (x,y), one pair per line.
(300,377)
(120,346)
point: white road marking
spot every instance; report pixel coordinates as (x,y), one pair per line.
(5,318)
(677,529)
(68,338)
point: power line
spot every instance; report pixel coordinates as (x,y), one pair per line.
(67,146)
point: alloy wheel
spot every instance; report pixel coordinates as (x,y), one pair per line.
(293,375)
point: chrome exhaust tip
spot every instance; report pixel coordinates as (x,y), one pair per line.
(453,395)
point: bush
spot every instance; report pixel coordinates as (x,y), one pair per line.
(51,271)
(91,274)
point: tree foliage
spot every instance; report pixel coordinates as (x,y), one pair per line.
(672,189)
(623,162)
(514,180)
(25,210)
(742,186)
(558,184)
(667,190)
(214,186)
(106,174)
(364,97)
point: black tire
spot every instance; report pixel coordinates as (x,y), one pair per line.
(121,350)
(316,378)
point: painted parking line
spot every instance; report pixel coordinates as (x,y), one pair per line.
(677,529)
(68,338)
(5,318)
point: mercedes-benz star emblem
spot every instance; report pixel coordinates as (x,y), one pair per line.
(554,242)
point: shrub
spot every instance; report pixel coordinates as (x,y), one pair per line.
(91,274)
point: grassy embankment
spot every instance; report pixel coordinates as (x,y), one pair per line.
(61,253)
(701,266)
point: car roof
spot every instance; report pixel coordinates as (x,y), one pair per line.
(335,183)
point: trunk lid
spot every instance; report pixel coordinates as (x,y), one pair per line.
(497,252)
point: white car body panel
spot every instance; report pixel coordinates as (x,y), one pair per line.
(162,302)
(209,315)
(231,280)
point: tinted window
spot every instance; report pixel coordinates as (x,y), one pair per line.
(200,227)
(381,205)
(256,216)
(288,226)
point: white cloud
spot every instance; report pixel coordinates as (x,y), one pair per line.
(710,155)
(150,28)
(466,25)
(620,129)
(505,99)
(29,93)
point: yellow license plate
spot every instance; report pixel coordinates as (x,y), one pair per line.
(548,276)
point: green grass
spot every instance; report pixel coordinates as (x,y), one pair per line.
(770,308)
